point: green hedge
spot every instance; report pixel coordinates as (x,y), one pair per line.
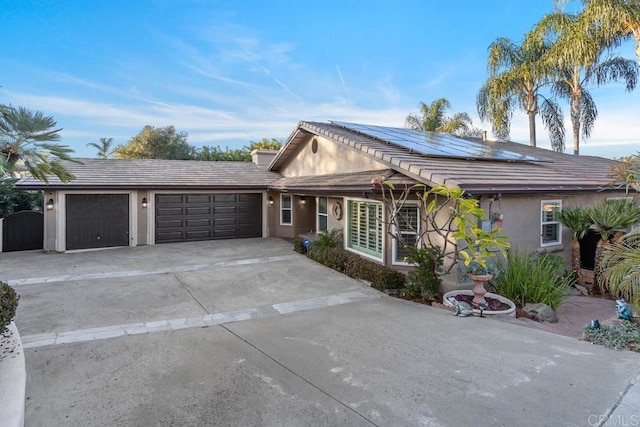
(353,265)
(8,305)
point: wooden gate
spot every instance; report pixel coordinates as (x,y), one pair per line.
(22,231)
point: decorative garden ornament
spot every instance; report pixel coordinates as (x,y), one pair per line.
(623,309)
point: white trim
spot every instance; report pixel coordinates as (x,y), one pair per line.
(151,217)
(543,223)
(346,226)
(394,241)
(290,208)
(326,215)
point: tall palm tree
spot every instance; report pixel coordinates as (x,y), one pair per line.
(578,52)
(516,76)
(576,219)
(104,147)
(433,118)
(616,19)
(26,138)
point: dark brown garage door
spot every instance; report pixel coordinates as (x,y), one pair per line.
(97,220)
(191,217)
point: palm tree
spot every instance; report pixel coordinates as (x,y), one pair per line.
(577,220)
(620,268)
(517,74)
(104,147)
(616,19)
(611,217)
(25,138)
(433,118)
(577,52)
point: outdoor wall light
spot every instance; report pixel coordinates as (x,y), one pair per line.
(270,201)
(50,204)
(144,203)
(303,201)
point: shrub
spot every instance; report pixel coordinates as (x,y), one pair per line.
(618,337)
(424,279)
(319,249)
(8,305)
(532,278)
(353,265)
(298,246)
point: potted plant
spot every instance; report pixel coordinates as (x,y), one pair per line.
(479,247)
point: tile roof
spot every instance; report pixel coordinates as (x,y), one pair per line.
(558,171)
(341,183)
(158,174)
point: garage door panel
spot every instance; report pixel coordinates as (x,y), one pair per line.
(198,198)
(208,216)
(198,235)
(169,198)
(170,211)
(170,236)
(198,210)
(199,222)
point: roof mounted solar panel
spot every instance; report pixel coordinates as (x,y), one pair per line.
(434,144)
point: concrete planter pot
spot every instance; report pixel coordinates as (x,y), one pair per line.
(511,311)
(13,378)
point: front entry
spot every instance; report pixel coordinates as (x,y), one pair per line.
(97,220)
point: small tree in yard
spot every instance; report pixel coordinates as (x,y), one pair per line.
(449,222)
(610,218)
(576,219)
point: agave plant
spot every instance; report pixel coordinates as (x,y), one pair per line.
(576,219)
(619,269)
(609,218)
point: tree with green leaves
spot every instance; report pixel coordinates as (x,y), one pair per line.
(265,144)
(433,118)
(27,138)
(216,154)
(616,20)
(610,218)
(517,75)
(581,55)
(156,143)
(103,147)
(576,219)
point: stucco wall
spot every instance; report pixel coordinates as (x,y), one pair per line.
(304,216)
(329,158)
(522,217)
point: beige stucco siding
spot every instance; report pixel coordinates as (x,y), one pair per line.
(522,217)
(329,158)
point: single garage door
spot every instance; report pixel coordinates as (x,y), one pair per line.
(191,217)
(97,220)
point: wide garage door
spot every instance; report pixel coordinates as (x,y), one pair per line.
(97,220)
(191,217)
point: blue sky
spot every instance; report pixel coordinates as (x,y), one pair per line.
(233,72)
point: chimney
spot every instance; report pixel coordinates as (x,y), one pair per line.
(484,135)
(263,157)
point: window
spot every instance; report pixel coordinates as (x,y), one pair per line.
(286,211)
(322,214)
(408,231)
(551,228)
(364,227)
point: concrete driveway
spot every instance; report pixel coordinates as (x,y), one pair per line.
(247,332)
